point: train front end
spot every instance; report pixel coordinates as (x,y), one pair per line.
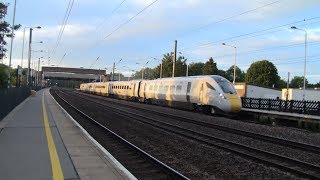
(229,100)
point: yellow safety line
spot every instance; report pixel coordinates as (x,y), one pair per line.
(57,173)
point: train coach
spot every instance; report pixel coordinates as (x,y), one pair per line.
(212,93)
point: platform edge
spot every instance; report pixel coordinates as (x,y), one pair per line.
(117,164)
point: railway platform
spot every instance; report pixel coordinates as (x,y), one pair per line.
(303,120)
(39,140)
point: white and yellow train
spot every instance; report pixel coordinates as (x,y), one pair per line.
(209,93)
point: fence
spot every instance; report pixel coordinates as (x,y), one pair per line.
(302,107)
(10,98)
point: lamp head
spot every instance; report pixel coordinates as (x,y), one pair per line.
(224,44)
(293,27)
(38,27)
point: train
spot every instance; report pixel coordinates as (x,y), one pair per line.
(207,93)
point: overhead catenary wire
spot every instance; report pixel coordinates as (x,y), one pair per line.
(61,59)
(247,35)
(94,62)
(100,25)
(237,15)
(130,19)
(64,22)
(250,33)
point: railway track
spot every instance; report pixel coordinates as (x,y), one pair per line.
(266,138)
(295,166)
(138,162)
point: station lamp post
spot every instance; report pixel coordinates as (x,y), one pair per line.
(113,68)
(130,70)
(305,59)
(142,74)
(38,72)
(11,44)
(29,55)
(235,61)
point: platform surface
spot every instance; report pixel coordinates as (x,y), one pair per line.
(287,114)
(39,140)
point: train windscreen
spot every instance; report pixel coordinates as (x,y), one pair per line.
(225,85)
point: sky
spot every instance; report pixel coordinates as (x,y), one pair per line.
(100,32)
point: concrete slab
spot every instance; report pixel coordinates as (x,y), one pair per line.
(24,150)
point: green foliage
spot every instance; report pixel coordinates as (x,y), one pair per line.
(262,73)
(196,69)
(153,73)
(297,82)
(180,66)
(222,73)
(282,84)
(210,67)
(3,76)
(240,75)
(5,29)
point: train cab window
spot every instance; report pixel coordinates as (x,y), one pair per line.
(172,88)
(179,87)
(127,87)
(209,86)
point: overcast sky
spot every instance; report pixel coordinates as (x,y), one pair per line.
(200,26)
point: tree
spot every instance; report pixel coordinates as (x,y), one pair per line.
(180,66)
(3,76)
(5,30)
(240,75)
(297,82)
(222,73)
(195,69)
(282,84)
(262,73)
(210,67)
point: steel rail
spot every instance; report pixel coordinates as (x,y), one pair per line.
(161,165)
(275,140)
(285,163)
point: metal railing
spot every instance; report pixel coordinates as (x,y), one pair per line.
(292,106)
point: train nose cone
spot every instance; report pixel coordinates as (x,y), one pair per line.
(235,102)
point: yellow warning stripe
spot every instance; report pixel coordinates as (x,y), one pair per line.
(57,173)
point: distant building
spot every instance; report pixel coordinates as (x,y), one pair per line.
(297,94)
(71,77)
(251,91)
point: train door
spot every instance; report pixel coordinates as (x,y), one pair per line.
(188,91)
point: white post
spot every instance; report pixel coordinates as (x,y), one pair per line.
(12,34)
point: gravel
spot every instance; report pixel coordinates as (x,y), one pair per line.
(191,158)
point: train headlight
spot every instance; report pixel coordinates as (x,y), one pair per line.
(222,96)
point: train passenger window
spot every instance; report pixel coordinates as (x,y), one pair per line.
(172,88)
(209,86)
(156,87)
(150,87)
(179,88)
(166,88)
(160,88)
